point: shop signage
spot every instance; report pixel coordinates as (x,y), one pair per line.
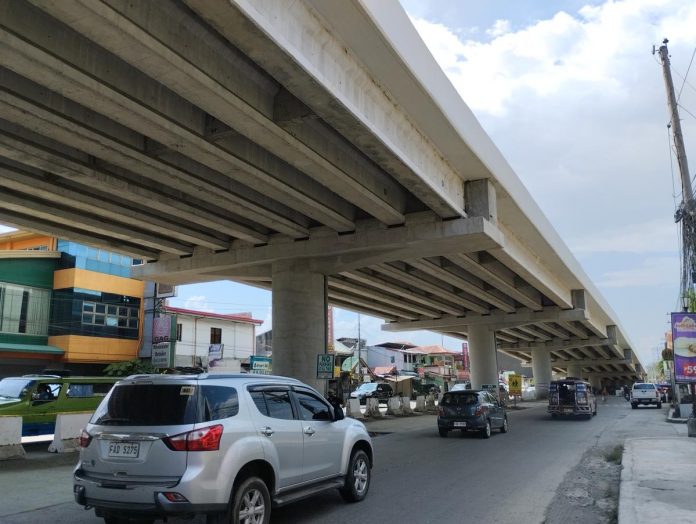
(325,365)
(684,343)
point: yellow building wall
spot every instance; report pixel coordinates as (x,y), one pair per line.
(21,241)
(67,278)
(95,349)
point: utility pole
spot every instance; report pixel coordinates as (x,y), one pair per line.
(688,195)
(686,214)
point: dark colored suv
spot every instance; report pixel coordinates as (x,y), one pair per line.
(380,391)
(471,410)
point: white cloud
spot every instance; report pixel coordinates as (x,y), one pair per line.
(499,28)
(198,303)
(655,236)
(652,272)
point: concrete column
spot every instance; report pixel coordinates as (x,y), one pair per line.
(482,357)
(596,383)
(299,321)
(541,367)
(574,370)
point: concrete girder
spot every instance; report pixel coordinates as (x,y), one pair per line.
(495,320)
(349,306)
(351,103)
(379,297)
(37,186)
(381,309)
(536,333)
(372,242)
(558,333)
(62,128)
(96,79)
(502,336)
(434,269)
(408,294)
(92,175)
(573,329)
(49,228)
(498,276)
(62,214)
(516,334)
(592,362)
(557,343)
(403,274)
(514,255)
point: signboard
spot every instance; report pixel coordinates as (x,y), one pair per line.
(489,387)
(215,355)
(260,365)
(684,344)
(161,337)
(165,291)
(325,365)
(515,385)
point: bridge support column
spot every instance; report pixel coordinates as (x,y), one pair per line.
(482,358)
(596,383)
(541,367)
(574,370)
(299,321)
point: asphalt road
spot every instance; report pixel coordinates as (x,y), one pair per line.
(418,476)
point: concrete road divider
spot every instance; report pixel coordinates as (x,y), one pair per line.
(406,406)
(420,404)
(67,432)
(354,409)
(11,438)
(394,406)
(372,410)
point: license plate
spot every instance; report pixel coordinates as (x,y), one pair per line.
(460,424)
(124,449)
(567,411)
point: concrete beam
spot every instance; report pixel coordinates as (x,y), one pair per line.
(573,329)
(558,343)
(353,104)
(371,243)
(494,320)
(124,94)
(381,309)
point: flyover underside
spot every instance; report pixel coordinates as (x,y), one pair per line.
(217,139)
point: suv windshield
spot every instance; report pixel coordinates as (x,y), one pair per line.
(460,399)
(644,386)
(13,387)
(367,387)
(165,405)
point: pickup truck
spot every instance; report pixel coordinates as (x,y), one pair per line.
(645,393)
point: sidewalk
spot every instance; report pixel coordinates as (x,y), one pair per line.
(658,481)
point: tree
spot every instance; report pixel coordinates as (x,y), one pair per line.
(128,367)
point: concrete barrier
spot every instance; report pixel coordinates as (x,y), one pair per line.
(11,438)
(430,406)
(372,409)
(394,406)
(67,432)
(420,404)
(354,409)
(406,406)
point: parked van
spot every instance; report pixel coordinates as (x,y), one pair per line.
(571,396)
(39,398)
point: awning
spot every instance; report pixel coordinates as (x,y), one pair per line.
(30,348)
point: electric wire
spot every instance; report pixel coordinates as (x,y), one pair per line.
(687,74)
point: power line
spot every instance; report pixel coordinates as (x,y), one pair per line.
(687,74)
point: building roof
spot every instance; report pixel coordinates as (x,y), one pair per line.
(432,350)
(30,348)
(399,344)
(384,370)
(237,317)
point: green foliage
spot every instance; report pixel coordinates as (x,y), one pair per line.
(128,367)
(614,455)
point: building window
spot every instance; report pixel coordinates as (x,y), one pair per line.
(96,314)
(37,248)
(24,309)
(215,335)
(178,332)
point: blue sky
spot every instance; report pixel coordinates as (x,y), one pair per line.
(572,96)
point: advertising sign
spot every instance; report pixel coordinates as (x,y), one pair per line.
(215,355)
(325,365)
(684,343)
(515,385)
(161,345)
(260,365)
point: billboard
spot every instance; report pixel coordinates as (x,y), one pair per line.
(161,341)
(684,344)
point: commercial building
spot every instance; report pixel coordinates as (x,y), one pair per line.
(65,305)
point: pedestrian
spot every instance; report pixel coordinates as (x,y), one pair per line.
(604,394)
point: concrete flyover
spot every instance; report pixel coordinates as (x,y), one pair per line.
(310,147)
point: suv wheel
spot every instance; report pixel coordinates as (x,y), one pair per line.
(443,432)
(251,505)
(504,427)
(486,431)
(358,477)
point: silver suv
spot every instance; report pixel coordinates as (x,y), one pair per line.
(228,446)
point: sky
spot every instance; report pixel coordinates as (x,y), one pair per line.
(573,97)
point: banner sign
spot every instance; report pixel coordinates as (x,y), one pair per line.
(325,365)
(215,355)
(161,337)
(684,344)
